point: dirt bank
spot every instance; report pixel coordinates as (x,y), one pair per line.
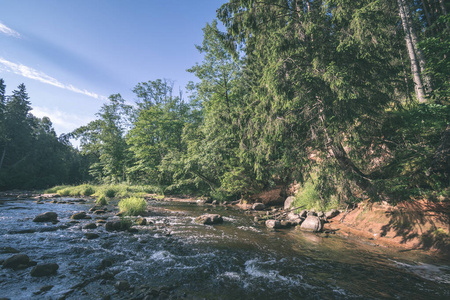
(409,225)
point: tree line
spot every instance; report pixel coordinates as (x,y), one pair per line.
(349,96)
(31,154)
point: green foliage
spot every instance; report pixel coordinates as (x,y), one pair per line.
(102,200)
(133,206)
(309,197)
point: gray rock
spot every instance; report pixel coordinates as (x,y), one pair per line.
(46,217)
(16,262)
(90,226)
(117,225)
(209,219)
(303,213)
(8,250)
(44,270)
(331,214)
(288,202)
(311,213)
(91,236)
(79,216)
(258,206)
(312,223)
(297,221)
(100,212)
(292,216)
(320,214)
(122,285)
(273,224)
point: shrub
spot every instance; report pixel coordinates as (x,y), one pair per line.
(132,206)
(87,191)
(110,192)
(102,200)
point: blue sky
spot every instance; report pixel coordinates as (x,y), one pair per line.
(73,54)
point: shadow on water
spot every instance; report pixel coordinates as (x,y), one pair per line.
(236,260)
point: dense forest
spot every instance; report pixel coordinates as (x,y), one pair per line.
(348,98)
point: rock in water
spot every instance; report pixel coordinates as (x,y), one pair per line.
(312,223)
(18,261)
(273,224)
(258,206)
(209,219)
(117,225)
(288,202)
(79,216)
(46,217)
(91,236)
(122,285)
(44,270)
(90,226)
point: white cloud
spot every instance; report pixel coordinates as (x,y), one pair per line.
(8,31)
(31,73)
(62,122)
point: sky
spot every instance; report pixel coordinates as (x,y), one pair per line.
(72,54)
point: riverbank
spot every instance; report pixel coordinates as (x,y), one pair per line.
(414,225)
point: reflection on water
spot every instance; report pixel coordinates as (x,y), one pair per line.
(238,259)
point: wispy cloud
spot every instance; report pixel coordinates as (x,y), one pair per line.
(63,122)
(8,31)
(31,73)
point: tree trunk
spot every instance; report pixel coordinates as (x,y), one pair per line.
(444,11)
(426,80)
(3,157)
(415,70)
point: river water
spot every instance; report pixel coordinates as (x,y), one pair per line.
(238,259)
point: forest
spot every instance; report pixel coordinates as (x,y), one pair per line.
(349,99)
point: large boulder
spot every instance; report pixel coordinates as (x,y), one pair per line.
(258,206)
(312,223)
(46,217)
(288,202)
(331,214)
(44,270)
(209,219)
(273,224)
(16,262)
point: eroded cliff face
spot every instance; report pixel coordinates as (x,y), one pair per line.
(417,224)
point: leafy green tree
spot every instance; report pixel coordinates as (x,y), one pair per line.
(104,139)
(212,144)
(309,92)
(156,131)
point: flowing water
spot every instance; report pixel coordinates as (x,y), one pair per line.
(238,259)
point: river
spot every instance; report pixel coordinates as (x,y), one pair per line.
(174,257)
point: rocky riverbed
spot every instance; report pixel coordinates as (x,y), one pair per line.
(87,252)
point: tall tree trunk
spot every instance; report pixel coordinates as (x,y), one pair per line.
(442,4)
(426,80)
(415,69)
(3,157)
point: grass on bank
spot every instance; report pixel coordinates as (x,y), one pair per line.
(104,192)
(132,206)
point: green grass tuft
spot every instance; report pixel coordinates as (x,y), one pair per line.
(133,206)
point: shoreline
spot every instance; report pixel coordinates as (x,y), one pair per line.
(410,226)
